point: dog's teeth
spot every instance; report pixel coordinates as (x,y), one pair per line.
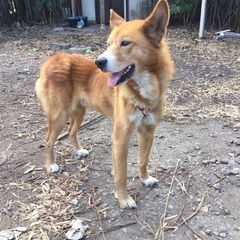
(127,69)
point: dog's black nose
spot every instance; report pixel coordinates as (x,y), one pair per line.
(101,62)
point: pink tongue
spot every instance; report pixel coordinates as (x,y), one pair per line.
(112,80)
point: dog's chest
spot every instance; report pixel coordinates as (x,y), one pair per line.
(142,116)
(147,87)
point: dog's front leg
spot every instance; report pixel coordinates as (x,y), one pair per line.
(145,139)
(121,138)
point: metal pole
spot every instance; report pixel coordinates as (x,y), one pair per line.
(202,19)
(125,9)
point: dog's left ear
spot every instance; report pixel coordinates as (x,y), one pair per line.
(115,20)
(156,24)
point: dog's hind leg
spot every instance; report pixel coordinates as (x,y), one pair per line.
(76,118)
(145,139)
(56,123)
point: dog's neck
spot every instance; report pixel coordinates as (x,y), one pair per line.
(147,88)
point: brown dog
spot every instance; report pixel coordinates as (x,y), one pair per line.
(136,70)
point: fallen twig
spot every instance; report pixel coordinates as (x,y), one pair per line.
(144,194)
(94,206)
(192,229)
(190,216)
(145,225)
(197,210)
(163,225)
(113,228)
(219,180)
(160,231)
(185,197)
(85,124)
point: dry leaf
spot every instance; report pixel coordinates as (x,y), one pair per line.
(30,169)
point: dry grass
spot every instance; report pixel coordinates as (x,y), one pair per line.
(50,206)
(203,102)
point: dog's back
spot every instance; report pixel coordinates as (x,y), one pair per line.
(67,80)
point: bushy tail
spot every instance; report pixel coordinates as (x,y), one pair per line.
(42,95)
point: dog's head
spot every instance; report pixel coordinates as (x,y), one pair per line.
(133,46)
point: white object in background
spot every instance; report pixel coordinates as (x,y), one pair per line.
(80,24)
(12,233)
(77,230)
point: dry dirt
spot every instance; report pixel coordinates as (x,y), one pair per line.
(196,152)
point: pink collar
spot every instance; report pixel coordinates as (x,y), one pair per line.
(143,110)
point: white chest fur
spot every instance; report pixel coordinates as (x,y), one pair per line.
(147,87)
(139,118)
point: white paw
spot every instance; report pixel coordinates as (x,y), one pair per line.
(126,203)
(82,153)
(131,204)
(54,168)
(150,181)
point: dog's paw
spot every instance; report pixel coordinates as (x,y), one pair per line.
(150,181)
(53,168)
(126,202)
(81,153)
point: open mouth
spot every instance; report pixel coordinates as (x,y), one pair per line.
(122,76)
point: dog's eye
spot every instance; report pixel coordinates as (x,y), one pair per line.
(125,43)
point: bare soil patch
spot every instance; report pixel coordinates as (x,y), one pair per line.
(196,153)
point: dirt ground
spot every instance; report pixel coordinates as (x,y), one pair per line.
(196,152)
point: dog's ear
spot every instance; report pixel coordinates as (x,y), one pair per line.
(115,20)
(156,24)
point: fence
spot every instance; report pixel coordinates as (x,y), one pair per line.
(221,14)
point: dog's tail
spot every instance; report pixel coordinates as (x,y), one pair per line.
(41,94)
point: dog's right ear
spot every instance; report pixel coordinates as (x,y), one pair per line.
(115,20)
